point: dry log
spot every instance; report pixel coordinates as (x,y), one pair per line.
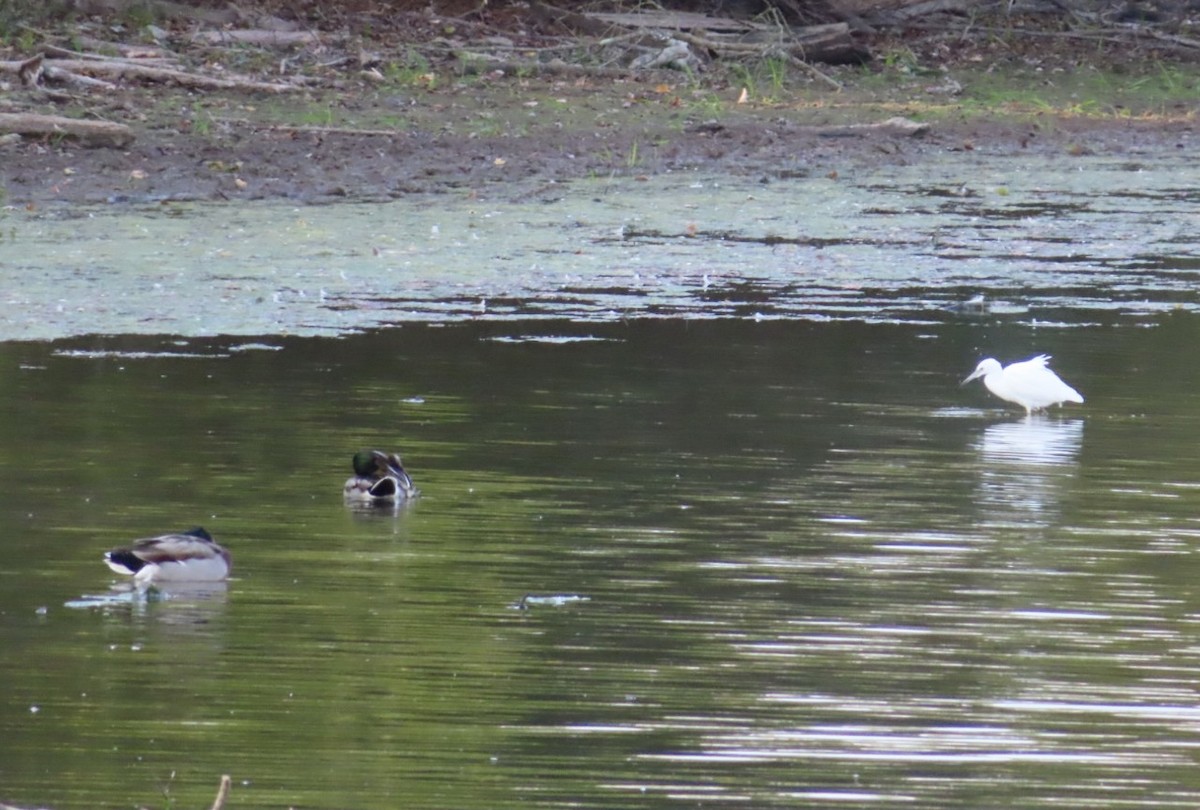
(257,36)
(32,71)
(55,74)
(88,133)
(118,69)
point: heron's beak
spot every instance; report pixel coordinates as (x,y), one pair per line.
(974,375)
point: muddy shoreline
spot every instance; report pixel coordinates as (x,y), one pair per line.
(256,159)
(379,107)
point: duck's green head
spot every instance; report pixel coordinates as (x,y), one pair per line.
(366,463)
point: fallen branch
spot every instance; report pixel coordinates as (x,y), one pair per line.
(126,51)
(1174,39)
(256,36)
(118,69)
(153,57)
(88,133)
(811,70)
(55,74)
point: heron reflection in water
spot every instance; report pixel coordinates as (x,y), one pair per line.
(1024,465)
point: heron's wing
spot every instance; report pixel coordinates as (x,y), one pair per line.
(1033,382)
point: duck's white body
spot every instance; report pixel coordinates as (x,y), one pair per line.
(1030,383)
(190,556)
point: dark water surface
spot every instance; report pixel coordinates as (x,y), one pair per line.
(812,570)
(708,433)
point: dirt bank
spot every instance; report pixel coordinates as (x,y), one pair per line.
(420,126)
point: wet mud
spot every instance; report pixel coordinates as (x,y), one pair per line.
(478,146)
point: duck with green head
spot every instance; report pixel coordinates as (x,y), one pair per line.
(191,556)
(379,477)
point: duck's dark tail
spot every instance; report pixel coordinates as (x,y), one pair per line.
(124,561)
(384,488)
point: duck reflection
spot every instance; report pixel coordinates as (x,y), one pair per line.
(374,510)
(183,608)
(1024,466)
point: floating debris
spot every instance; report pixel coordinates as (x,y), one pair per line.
(975,305)
(92,354)
(550,339)
(255,347)
(551,600)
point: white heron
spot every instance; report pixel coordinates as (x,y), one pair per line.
(1029,383)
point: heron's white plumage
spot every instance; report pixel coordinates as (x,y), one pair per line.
(1030,383)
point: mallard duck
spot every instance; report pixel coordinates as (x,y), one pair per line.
(379,478)
(190,556)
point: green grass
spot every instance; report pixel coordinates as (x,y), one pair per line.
(317,116)
(632,159)
(412,69)
(17,17)
(1091,93)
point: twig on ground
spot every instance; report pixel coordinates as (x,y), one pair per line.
(812,70)
(56,52)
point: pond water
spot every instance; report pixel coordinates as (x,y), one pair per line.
(706,518)
(1042,236)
